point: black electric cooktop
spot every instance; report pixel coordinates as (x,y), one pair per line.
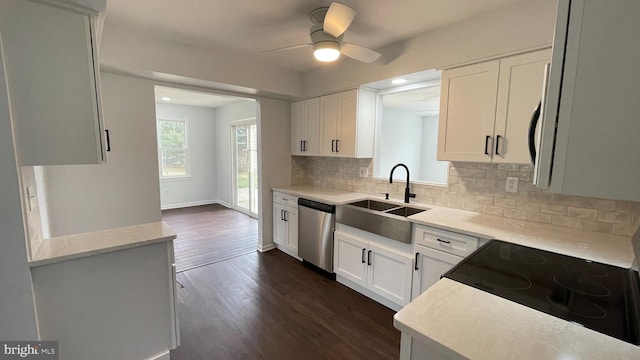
(600,297)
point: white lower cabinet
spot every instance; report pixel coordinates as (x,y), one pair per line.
(430,266)
(437,251)
(285,223)
(383,271)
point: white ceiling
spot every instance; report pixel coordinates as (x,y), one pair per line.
(193,98)
(253,26)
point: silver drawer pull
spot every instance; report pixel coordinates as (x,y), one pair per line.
(444,241)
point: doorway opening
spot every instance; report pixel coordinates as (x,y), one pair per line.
(245,166)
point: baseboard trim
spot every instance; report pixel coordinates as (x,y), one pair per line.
(190,204)
(267,247)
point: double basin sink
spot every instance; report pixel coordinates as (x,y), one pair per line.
(379,217)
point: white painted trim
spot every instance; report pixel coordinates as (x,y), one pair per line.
(234,171)
(189,204)
(267,247)
(162,356)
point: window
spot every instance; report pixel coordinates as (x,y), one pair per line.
(173,148)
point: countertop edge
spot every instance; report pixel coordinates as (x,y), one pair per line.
(81,245)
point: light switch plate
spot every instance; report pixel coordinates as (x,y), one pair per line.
(512,184)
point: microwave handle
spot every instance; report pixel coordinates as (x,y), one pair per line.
(533,124)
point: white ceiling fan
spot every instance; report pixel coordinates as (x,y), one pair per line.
(327,32)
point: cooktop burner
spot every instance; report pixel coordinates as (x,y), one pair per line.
(600,297)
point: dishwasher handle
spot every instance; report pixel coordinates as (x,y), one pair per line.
(331,209)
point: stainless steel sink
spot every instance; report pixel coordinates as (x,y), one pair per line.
(374,205)
(382,218)
(405,211)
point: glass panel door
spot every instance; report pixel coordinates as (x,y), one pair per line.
(245,142)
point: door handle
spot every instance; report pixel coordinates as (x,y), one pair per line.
(533,124)
(444,241)
(304,145)
(415,267)
(333,142)
(301,146)
(497,144)
(363,251)
(486,145)
(108,140)
(282,215)
(286,218)
(369,257)
(337,142)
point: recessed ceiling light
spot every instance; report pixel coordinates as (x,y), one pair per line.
(398,81)
(165,98)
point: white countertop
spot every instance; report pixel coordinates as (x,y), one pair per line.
(479,325)
(609,249)
(327,195)
(97,242)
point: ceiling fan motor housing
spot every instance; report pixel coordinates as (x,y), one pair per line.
(319,36)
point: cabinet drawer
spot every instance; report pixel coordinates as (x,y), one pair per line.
(446,241)
(285,199)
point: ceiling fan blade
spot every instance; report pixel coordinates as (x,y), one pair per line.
(287,48)
(359,53)
(338,19)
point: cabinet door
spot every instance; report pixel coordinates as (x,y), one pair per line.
(53,80)
(279,225)
(305,127)
(389,274)
(329,124)
(350,258)
(430,266)
(291,223)
(467,112)
(347,124)
(519,92)
(298,128)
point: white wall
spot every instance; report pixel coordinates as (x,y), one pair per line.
(17,312)
(131,51)
(125,191)
(201,186)
(432,170)
(225,115)
(521,26)
(274,160)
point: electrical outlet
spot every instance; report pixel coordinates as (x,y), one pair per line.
(512,184)
(364,172)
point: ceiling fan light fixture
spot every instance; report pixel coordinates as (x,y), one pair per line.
(326,51)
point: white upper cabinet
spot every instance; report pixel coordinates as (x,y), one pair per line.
(340,124)
(486,109)
(347,121)
(53,79)
(590,129)
(305,117)
(467,112)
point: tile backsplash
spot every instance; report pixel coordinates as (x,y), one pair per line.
(480,188)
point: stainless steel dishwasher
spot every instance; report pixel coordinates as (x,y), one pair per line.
(315,233)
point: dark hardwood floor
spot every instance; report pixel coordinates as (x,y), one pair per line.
(269,306)
(210,233)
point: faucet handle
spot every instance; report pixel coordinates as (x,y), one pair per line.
(386,196)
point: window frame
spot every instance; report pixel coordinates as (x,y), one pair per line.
(186,148)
